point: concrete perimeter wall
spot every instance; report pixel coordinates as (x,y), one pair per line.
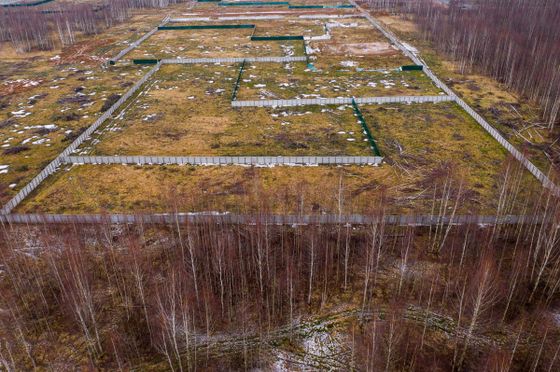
(227,218)
(226,160)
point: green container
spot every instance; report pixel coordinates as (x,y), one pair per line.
(204,27)
(412,68)
(287,37)
(146,61)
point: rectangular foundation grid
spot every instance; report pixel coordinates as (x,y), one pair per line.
(66,158)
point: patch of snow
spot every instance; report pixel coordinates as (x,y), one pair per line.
(20,113)
(40,141)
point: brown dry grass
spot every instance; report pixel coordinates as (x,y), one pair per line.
(333,79)
(94,189)
(398,23)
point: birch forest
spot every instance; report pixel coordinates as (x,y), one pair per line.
(35,28)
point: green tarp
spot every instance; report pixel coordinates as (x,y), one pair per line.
(367,132)
(287,37)
(237,82)
(145,61)
(412,68)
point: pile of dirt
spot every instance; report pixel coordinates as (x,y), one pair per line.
(359,49)
(17,86)
(83,52)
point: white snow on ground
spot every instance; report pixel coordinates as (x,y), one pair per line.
(340,24)
(4,169)
(40,141)
(311,50)
(20,114)
(348,63)
(322,350)
(48,126)
(24,82)
(28,140)
(556,317)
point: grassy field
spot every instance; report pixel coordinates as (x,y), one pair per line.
(212,44)
(187,110)
(419,138)
(237,43)
(423,146)
(232,188)
(340,78)
(47,108)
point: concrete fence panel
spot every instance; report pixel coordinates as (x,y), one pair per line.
(224,160)
(213,217)
(136,43)
(339,101)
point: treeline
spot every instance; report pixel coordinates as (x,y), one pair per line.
(43,28)
(426,298)
(516,42)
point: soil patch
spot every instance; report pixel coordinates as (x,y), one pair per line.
(361,49)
